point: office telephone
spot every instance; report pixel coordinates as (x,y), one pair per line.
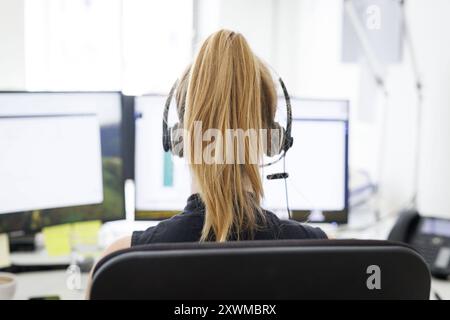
(429,236)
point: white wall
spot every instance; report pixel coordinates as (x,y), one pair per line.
(319,73)
(157,44)
(12,45)
(253,18)
(431,26)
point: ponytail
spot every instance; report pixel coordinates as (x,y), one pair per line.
(228,88)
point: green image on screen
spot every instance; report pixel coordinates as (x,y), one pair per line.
(168,170)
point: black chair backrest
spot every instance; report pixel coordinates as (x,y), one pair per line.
(284,269)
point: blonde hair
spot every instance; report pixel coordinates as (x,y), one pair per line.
(227,87)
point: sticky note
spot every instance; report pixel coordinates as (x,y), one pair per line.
(57,240)
(86,232)
(5,259)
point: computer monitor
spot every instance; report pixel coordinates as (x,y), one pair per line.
(317,164)
(317,187)
(162,180)
(48,114)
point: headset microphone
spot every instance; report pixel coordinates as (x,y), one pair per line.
(276,176)
(282,175)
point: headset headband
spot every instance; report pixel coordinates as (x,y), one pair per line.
(166,132)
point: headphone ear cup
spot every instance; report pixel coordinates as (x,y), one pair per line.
(275,140)
(176,140)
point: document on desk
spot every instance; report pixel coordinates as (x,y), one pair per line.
(49,161)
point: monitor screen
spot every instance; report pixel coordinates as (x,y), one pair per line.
(317,164)
(78,195)
(162,180)
(49,161)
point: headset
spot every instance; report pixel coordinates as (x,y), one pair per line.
(172,141)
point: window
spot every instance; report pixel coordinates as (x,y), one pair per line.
(158,36)
(73,44)
(133,45)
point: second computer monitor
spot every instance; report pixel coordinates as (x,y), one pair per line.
(162,180)
(316,189)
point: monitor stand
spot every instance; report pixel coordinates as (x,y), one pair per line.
(114,230)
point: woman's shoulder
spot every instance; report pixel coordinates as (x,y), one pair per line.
(291,229)
(187,227)
(179,228)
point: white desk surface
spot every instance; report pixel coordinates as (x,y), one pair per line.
(48,283)
(54,282)
(51,283)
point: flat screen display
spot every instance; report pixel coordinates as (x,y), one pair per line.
(68,111)
(317,164)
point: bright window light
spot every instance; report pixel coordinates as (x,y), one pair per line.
(158,38)
(132,45)
(73,44)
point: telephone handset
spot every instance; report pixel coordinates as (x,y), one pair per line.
(429,236)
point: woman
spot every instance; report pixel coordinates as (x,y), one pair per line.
(227,87)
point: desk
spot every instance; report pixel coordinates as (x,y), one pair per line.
(48,283)
(54,282)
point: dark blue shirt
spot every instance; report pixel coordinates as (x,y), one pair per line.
(187,227)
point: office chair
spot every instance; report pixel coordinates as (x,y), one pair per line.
(282,269)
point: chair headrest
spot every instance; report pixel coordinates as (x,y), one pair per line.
(281,269)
